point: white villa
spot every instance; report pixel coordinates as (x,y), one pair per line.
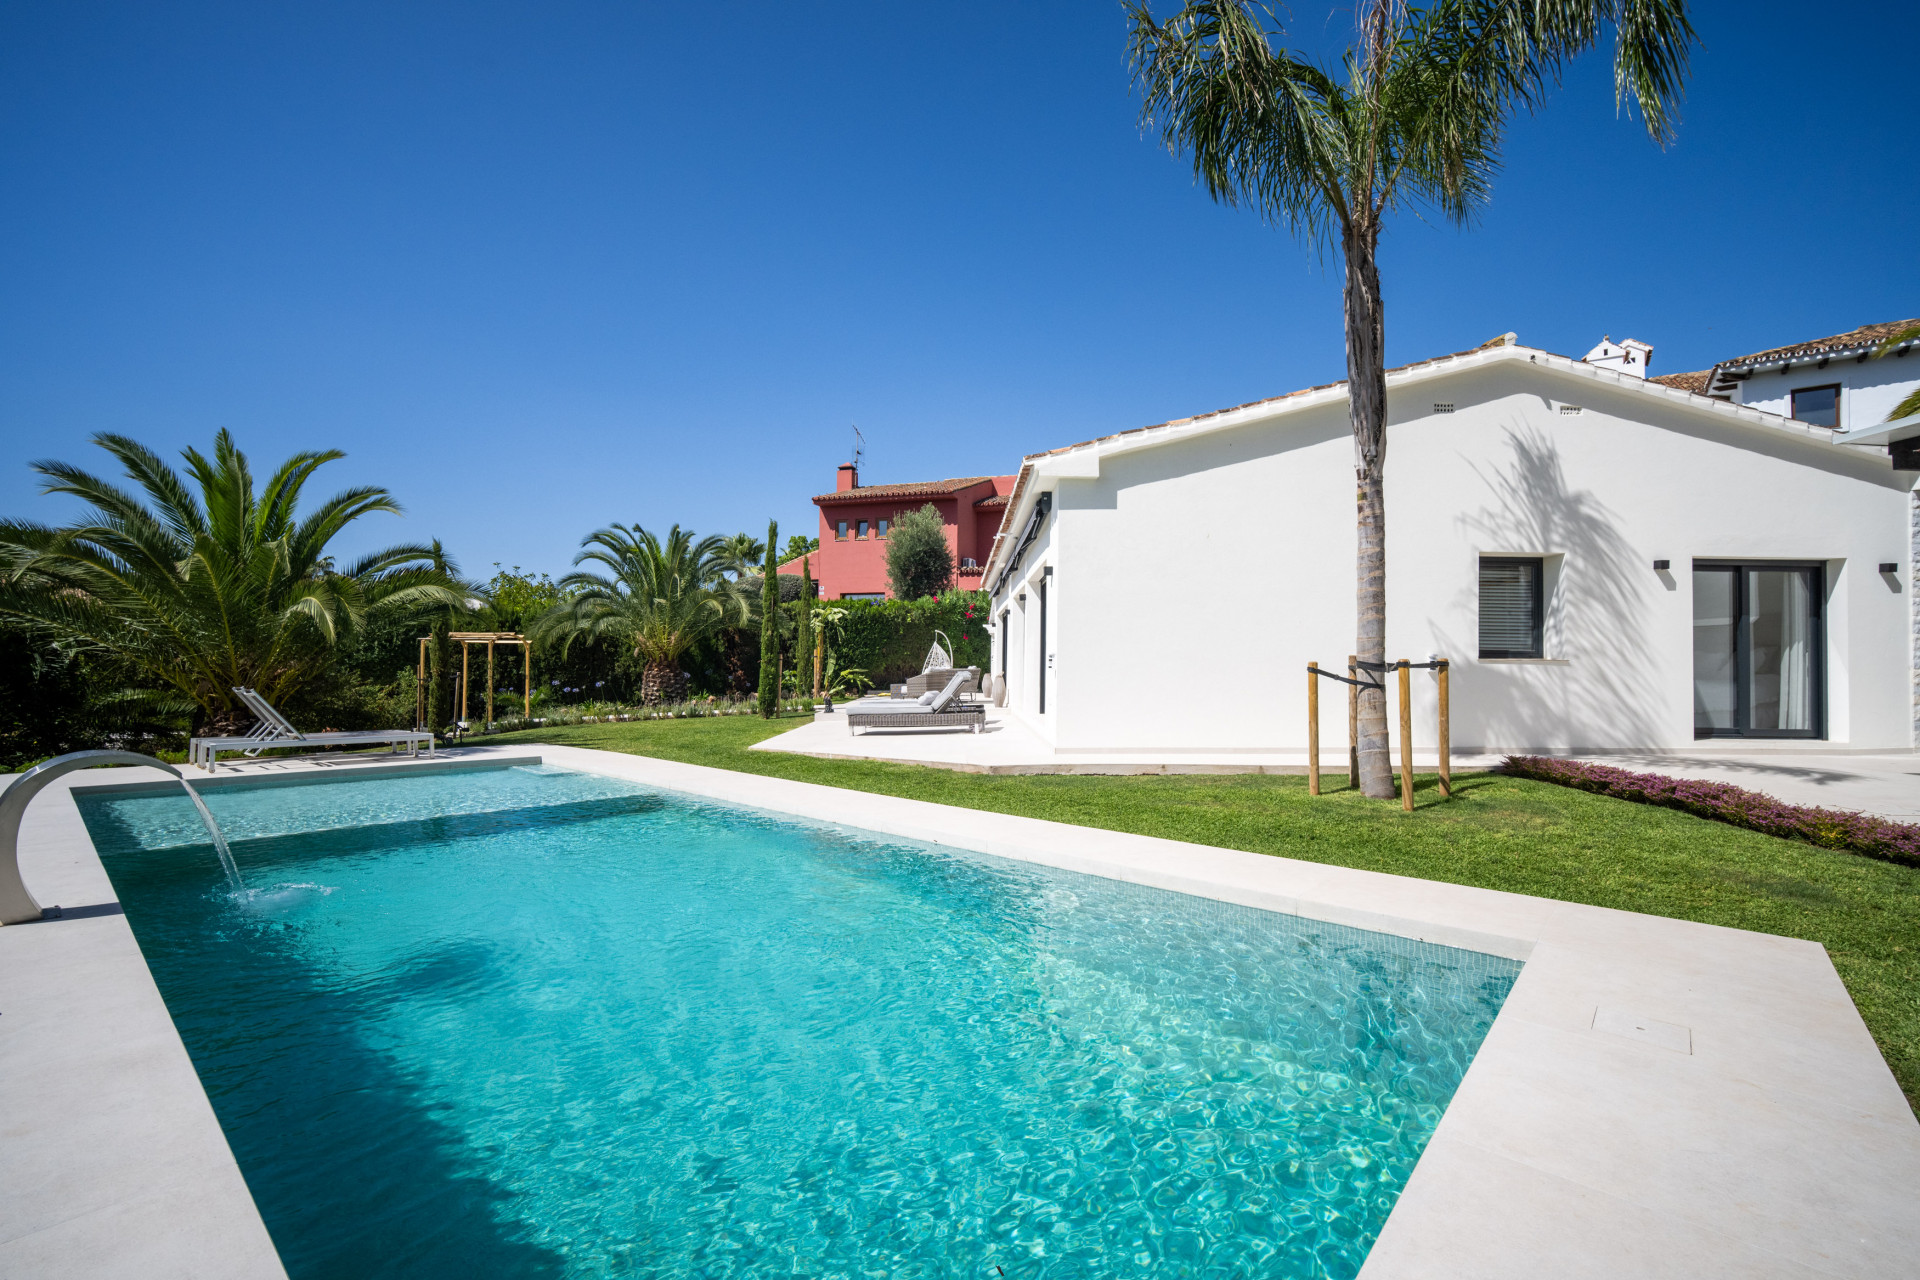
(1608,561)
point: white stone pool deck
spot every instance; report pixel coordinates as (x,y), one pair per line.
(1656,1098)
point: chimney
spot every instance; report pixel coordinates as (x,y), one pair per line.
(849,478)
(1630,356)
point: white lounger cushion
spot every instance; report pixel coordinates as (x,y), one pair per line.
(946,695)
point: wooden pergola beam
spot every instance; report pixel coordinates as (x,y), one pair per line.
(490,639)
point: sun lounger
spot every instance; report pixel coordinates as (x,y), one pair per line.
(275,730)
(942,710)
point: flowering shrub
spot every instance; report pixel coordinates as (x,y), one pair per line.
(1828,828)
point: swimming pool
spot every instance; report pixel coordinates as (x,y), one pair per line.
(529,1022)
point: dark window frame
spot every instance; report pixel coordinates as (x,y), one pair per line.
(1041,590)
(1539,565)
(1793,407)
(1743,650)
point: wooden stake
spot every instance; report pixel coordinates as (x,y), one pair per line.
(1353,725)
(490,684)
(526,699)
(465,649)
(819,659)
(420,689)
(1406,737)
(1446,736)
(1313,728)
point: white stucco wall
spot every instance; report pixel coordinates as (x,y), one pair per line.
(1020,601)
(1195,579)
(1868,390)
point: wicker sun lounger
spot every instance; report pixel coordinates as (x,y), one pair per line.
(275,730)
(942,710)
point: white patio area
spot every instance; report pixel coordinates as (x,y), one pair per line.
(1007,745)
(1885,783)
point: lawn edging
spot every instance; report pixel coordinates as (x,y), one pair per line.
(1860,833)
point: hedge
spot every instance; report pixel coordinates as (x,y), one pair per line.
(889,639)
(1828,828)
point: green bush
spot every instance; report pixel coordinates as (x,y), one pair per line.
(888,639)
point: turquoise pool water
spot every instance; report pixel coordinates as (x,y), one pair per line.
(526,1022)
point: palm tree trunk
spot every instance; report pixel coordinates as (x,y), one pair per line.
(663,681)
(1367,410)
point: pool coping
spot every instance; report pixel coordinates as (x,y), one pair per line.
(1656,1097)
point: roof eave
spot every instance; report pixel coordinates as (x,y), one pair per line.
(1443,366)
(1886,433)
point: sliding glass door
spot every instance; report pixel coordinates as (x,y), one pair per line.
(1757,650)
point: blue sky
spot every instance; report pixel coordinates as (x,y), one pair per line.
(541,267)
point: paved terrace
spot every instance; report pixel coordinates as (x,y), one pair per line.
(1657,1098)
(1886,784)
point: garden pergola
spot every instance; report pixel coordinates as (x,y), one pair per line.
(467,640)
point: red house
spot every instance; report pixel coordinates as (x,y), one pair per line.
(852,561)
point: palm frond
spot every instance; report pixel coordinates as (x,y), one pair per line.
(178,509)
(206,585)
(1263,126)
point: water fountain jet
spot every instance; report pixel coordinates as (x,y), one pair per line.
(17,905)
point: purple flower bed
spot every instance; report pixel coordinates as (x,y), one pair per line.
(1828,828)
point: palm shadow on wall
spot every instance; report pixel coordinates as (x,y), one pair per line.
(1597,613)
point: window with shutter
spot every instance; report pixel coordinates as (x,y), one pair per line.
(1510,607)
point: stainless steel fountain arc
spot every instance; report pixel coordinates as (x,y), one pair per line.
(17,905)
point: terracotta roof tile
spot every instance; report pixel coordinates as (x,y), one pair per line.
(1852,342)
(1695,382)
(921,489)
(995,500)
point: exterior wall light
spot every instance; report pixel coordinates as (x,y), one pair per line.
(1661,566)
(1889,567)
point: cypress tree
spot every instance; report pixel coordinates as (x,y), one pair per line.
(770,627)
(440,676)
(803,631)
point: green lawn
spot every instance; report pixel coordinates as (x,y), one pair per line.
(1498,833)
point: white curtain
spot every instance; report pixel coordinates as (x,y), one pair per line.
(1796,652)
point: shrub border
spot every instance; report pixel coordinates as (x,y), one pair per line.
(1860,833)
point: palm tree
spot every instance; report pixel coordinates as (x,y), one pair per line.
(1413,116)
(199,583)
(660,597)
(741,554)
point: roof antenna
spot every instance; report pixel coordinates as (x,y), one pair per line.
(859,445)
